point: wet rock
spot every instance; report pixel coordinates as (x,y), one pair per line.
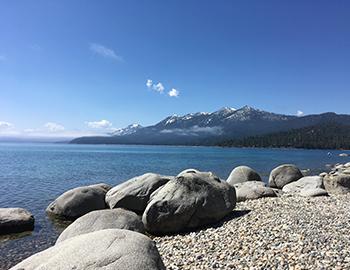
(15,220)
(79,201)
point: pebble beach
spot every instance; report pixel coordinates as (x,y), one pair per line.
(287,232)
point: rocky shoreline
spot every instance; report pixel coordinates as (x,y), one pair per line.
(294,222)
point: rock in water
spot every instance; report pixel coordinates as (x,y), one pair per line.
(337,184)
(79,201)
(111,249)
(242,174)
(101,220)
(15,220)
(252,190)
(134,193)
(283,175)
(190,200)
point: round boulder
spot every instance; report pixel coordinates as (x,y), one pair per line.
(337,184)
(242,174)
(101,220)
(134,193)
(190,200)
(283,175)
(111,249)
(15,220)
(252,190)
(79,201)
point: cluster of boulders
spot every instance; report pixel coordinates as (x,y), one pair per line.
(110,223)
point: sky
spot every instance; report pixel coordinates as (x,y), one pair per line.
(74,68)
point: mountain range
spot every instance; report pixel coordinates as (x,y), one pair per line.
(204,128)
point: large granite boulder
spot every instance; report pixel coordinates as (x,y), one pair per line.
(134,193)
(337,184)
(283,175)
(15,220)
(79,201)
(190,200)
(242,174)
(101,220)
(252,190)
(111,249)
(308,186)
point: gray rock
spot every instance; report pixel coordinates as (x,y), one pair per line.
(190,200)
(323,174)
(283,175)
(313,192)
(15,220)
(111,249)
(101,220)
(79,201)
(307,182)
(252,190)
(242,174)
(337,184)
(134,193)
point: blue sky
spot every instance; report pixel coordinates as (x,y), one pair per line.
(67,65)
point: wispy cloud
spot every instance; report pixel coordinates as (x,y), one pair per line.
(300,113)
(193,131)
(54,127)
(105,52)
(99,124)
(173,93)
(35,47)
(5,125)
(2,57)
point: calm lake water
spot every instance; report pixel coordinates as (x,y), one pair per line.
(32,175)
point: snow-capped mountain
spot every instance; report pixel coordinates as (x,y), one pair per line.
(130,129)
(205,128)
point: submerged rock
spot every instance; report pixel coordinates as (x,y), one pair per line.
(15,220)
(79,201)
(101,220)
(242,174)
(252,190)
(283,175)
(134,193)
(111,249)
(190,200)
(337,184)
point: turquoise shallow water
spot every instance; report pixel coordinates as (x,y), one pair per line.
(32,175)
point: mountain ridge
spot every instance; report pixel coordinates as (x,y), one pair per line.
(203,128)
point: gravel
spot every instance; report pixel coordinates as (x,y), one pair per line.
(268,233)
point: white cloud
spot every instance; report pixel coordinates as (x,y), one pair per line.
(5,125)
(159,87)
(105,52)
(149,83)
(173,93)
(54,127)
(35,47)
(300,113)
(100,124)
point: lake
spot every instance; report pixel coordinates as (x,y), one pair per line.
(32,175)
